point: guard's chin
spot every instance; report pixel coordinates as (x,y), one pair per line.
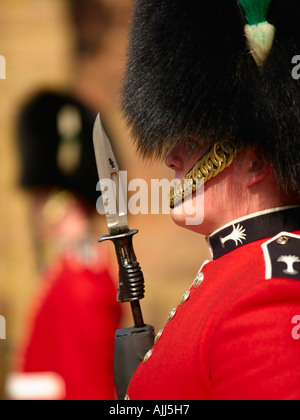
(179,219)
(190,213)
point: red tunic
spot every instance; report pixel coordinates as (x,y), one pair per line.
(72,335)
(235,334)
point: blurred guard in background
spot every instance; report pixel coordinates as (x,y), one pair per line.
(209,87)
(68,346)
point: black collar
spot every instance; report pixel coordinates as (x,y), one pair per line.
(252,228)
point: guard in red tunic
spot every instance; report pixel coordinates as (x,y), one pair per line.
(67,344)
(210,88)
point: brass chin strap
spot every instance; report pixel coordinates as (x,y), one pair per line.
(219,157)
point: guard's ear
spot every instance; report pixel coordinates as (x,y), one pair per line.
(258,169)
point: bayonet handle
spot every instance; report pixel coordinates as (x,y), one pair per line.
(131,278)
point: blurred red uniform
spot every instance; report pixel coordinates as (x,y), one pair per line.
(71,335)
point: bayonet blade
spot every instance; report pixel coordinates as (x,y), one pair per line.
(113,196)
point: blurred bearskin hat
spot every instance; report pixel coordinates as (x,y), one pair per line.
(56,147)
(193,74)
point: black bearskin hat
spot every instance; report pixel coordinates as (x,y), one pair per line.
(193,74)
(56,150)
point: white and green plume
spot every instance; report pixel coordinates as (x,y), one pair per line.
(259,32)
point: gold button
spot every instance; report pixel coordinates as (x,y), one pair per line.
(283,240)
(185,297)
(171,315)
(148,355)
(159,334)
(198,280)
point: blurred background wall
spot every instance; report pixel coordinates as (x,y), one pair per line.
(36,39)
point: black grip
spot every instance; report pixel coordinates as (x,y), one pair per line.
(131,345)
(131,278)
(131,283)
